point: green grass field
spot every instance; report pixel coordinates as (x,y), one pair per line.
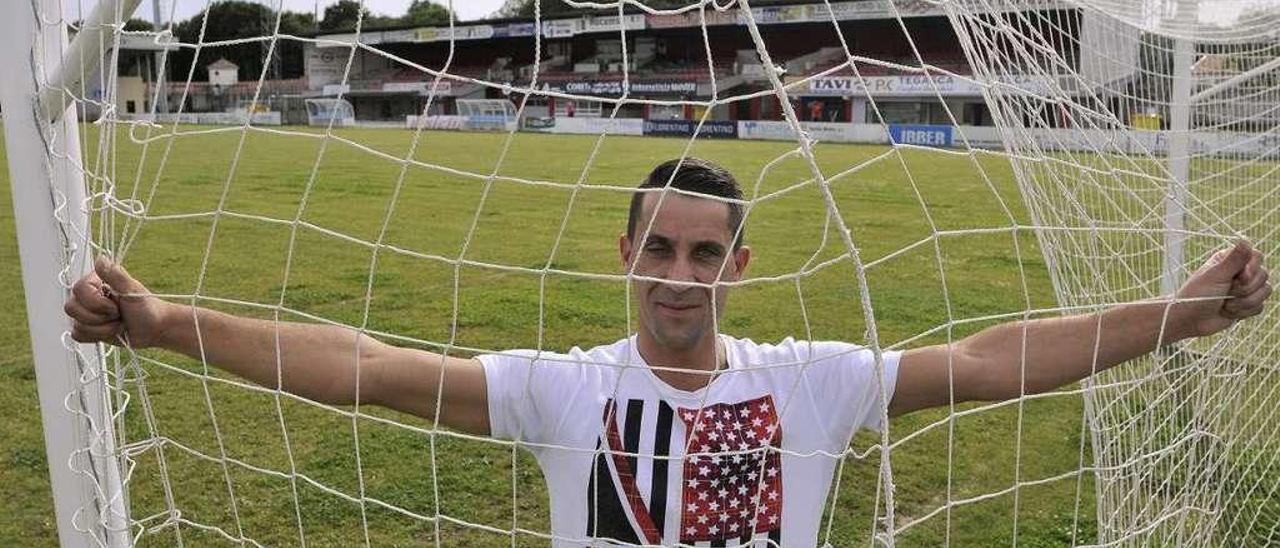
(888,205)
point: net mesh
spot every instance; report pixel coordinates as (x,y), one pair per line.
(1129,142)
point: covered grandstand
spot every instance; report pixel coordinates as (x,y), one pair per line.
(910,69)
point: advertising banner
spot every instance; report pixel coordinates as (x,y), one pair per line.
(685,128)
(665,87)
(330,90)
(606,23)
(692,19)
(439,34)
(825,132)
(921,135)
(778,14)
(561,28)
(407,87)
(393,36)
(585,126)
(441,88)
(885,9)
(513,30)
(435,122)
(271,118)
(540,124)
(914,85)
(614,87)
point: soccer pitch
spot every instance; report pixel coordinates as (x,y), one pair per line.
(890,204)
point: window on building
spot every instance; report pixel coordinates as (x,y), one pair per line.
(130,107)
(666,112)
(822,109)
(629,110)
(913,112)
(977,114)
(579,109)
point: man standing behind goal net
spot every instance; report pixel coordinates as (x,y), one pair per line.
(678,434)
(897,272)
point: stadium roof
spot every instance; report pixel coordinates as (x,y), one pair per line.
(628,9)
(599,21)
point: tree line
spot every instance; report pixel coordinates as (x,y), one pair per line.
(238,19)
(227,20)
(526,8)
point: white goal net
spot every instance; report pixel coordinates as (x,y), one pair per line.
(914,171)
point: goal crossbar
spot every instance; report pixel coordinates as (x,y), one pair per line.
(1233,81)
(82,56)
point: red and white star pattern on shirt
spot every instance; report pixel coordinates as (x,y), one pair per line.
(732,471)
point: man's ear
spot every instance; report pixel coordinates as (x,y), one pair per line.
(741,258)
(624,250)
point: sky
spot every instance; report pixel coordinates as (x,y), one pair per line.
(466,9)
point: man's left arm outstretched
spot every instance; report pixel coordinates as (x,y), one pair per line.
(1027,357)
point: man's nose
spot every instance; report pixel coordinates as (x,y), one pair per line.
(681,270)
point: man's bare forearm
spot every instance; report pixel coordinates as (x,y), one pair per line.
(1056,351)
(1010,360)
(323,363)
(317,362)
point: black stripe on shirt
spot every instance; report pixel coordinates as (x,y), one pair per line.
(606,519)
(661,449)
(631,435)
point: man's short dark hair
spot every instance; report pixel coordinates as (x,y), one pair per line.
(693,175)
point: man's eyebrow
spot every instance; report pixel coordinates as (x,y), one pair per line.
(657,239)
(712,244)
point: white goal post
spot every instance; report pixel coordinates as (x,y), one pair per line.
(1066,157)
(49,201)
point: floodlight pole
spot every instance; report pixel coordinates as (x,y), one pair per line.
(1179,158)
(48,199)
(162,94)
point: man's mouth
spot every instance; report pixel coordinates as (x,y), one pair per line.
(677,307)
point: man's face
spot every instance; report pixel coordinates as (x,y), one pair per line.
(690,241)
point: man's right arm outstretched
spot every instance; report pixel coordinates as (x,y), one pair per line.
(315,361)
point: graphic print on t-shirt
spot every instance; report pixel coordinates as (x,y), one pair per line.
(731,482)
(732,473)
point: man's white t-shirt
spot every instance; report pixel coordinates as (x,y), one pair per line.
(747,460)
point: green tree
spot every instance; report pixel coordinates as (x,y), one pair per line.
(290,57)
(297,23)
(228,20)
(236,19)
(425,13)
(525,8)
(343,15)
(138,25)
